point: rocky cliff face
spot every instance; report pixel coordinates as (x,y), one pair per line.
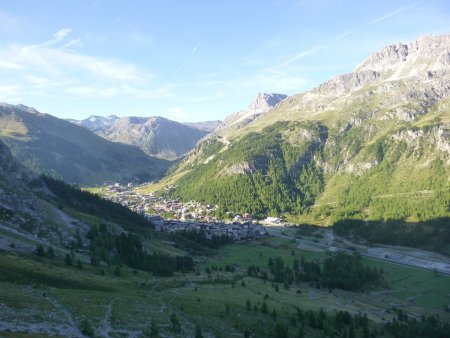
(262,103)
(427,53)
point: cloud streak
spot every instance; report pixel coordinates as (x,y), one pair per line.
(302,55)
(194,49)
(391,14)
(377,20)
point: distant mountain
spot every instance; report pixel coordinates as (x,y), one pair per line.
(208,126)
(62,149)
(96,123)
(262,103)
(372,144)
(156,136)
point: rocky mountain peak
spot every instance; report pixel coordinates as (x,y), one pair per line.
(428,52)
(264,102)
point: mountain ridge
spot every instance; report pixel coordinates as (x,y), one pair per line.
(362,129)
(155,135)
(151,133)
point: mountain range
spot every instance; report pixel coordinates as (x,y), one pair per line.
(62,149)
(155,135)
(372,144)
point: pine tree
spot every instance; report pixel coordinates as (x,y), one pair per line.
(68,260)
(40,250)
(50,252)
(154,331)
(198,332)
(175,322)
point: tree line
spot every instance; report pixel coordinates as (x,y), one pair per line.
(340,271)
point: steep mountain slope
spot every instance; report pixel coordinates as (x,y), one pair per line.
(374,143)
(22,211)
(96,123)
(156,136)
(56,147)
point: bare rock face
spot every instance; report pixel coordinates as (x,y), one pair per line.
(428,52)
(348,82)
(96,123)
(262,103)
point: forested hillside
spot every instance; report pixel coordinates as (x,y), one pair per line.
(373,144)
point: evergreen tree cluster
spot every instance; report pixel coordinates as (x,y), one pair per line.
(341,271)
(430,235)
(128,249)
(426,327)
(284,178)
(196,242)
(84,201)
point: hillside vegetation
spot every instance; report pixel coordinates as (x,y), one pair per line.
(373,144)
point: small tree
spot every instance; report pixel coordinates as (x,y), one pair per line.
(68,259)
(50,252)
(198,332)
(176,327)
(154,330)
(40,250)
(264,308)
(87,328)
(117,271)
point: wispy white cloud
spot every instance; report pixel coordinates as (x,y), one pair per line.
(71,43)
(58,37)
(139,37)
(393,13)
(10,65)
(302,55)
(375,21)
(343,35)
(194,49)
(53,67)
(59,61)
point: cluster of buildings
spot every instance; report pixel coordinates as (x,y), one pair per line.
(171,215)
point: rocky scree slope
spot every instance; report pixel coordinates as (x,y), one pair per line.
(23,212)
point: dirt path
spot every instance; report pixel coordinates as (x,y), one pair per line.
(72,330)
(104,328)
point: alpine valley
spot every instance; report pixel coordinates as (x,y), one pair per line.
(322,214)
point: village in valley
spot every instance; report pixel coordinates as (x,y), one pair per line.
(171,215)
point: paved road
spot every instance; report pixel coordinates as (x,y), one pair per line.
(382,254)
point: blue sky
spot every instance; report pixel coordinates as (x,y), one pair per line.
(190,60)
